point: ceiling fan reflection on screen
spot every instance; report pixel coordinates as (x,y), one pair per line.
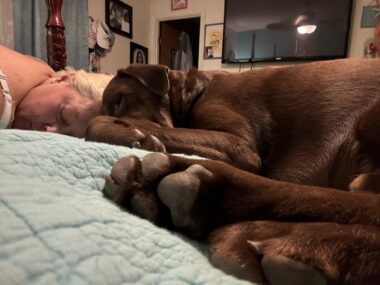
(304,23)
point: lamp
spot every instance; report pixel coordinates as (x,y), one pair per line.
(306,29)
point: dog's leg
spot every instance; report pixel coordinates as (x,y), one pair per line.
(197,196)
(230,252)
(233,249)
(204,194)
(301,253)
(112,130)
(216,145)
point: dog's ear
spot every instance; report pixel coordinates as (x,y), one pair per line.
(154,77)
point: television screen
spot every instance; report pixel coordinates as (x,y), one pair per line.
(275,30)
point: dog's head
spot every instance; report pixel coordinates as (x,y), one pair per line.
(139,91)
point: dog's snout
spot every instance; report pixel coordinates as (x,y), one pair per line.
(104,110)
(112,108)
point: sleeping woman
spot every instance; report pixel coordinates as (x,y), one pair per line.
(34,97)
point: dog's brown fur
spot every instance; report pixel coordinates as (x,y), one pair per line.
(302,127)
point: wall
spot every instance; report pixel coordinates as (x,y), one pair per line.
(210,11)
(119,55)
(146,16)
(148,13)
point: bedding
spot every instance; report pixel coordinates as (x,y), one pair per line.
(57,228)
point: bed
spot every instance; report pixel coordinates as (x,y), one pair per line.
(57,228)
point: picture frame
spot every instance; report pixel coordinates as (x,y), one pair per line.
(119,17)
(138,54)
(178,4)
(369,16)
(213,41)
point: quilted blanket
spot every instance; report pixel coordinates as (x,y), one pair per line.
(57,228)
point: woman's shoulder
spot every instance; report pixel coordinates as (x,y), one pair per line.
(23,72)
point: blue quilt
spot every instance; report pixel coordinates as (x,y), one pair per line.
(57,228)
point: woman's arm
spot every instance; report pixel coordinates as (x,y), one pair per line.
(1,103)
(7,115)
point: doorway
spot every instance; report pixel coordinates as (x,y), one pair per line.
(171,36)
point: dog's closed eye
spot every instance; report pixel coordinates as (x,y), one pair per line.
(117,106)
(119,100)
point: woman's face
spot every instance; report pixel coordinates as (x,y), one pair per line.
(55,107)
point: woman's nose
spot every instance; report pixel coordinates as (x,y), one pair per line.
(50,128)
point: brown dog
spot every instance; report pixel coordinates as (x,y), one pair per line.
(291,134)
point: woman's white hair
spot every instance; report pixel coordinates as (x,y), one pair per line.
(88,84)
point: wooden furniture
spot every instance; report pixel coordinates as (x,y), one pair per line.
(56,43)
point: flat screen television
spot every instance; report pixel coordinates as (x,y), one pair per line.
(284,30)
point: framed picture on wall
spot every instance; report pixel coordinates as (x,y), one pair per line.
(139,54)
(119,17)
(213,41)
(178,4)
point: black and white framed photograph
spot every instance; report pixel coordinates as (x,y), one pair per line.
(119,17)
(139,53)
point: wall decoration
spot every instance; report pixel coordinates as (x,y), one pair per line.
(119,17)
(371,19)
(369,16)
(213,41)
(139,54)
(178,4)
(372,45)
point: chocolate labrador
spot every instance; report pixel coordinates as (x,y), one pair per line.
(288,194)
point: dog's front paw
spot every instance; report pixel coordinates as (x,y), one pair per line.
(165,189)
(147,142)
(132,136)
(117,131)
(131,185)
